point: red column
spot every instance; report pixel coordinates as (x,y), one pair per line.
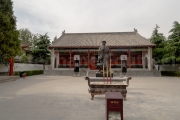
(59,58)
(11,66)
(88,59)
(70,59)
(129,54)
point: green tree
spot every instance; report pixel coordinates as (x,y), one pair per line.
(41,52)
(9,42)
(21,57)
(172,49)
(24,58)
(159,40)
(27,37)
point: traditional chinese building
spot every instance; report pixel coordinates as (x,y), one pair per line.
(137,48)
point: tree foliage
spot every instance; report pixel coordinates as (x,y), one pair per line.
(9,42)
(41,52)
(26,36)
(172,48)
(159,40)
(22,57)
(167,51)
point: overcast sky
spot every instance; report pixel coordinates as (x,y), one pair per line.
(83,16)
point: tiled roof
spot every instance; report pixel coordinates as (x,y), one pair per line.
(93,40)
(24,44)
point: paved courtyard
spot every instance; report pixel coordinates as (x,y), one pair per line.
(66,98)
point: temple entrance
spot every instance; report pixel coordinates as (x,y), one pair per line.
(83,61)
(93,62)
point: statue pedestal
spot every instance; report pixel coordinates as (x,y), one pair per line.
(100,74)
(76,74)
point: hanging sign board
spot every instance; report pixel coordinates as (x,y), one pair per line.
(76,57)
(123,57)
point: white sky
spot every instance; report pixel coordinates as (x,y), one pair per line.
(83,16)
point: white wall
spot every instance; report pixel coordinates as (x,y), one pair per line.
(23,67)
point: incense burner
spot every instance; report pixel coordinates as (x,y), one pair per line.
(100,85)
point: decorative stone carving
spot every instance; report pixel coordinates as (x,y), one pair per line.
(63,32)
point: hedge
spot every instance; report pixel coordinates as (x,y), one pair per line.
(170,73)
(29,73)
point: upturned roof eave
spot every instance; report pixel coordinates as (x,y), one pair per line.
(128,46)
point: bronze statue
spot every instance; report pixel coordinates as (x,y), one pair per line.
(103,56)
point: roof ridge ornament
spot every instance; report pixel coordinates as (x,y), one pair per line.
(135,30)
(63,32)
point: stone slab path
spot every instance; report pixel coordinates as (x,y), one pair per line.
(45,97)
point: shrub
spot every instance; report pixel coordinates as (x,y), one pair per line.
(29,73)
(170,73)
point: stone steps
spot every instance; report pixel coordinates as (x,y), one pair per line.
(144,73)
(8,78)
(91,73)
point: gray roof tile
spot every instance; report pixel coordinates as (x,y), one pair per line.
(113,39)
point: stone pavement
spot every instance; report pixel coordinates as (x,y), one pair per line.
(44,97)
(135,72)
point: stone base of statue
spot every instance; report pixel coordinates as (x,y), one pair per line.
(76,74)
(100,74)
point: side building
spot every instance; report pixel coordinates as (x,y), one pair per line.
(137,48)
